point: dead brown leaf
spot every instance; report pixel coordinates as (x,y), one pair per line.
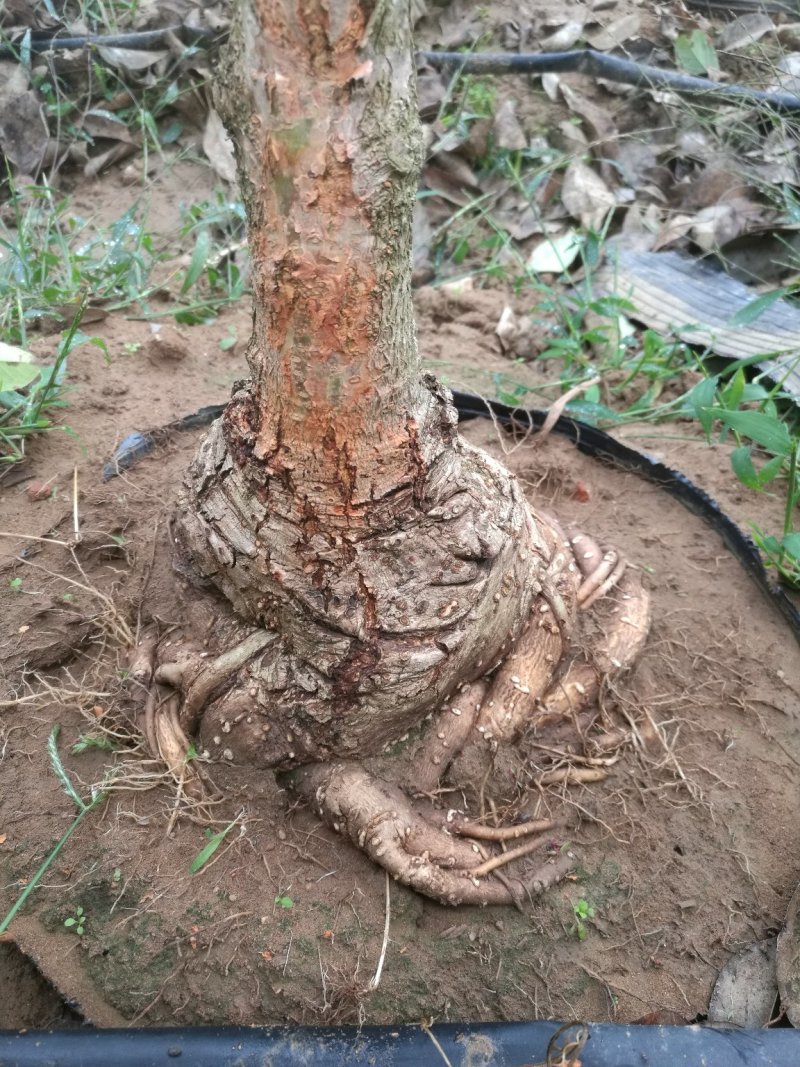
(121,150)
(745,30)
(96,124)
(601,127)
(132,58)
(564,37)
(506,128)
(218,147)
(586,196)
(616,33)
(676,227)
(720,223)
(23,132)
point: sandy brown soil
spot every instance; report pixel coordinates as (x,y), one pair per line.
(687,852)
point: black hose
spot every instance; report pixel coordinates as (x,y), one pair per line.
(580,60)
(39,42)
(588,439)
(613,68)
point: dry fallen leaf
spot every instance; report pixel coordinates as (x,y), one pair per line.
(551,83)
(555,254)
(563,38)
(452,177)
(507,131)
(744,31)
(515,333)
(218,147)
(788,71)
(602,130)
(459,25)
(615,33)
(746,988)
(102,124)
(23,132)
(720,223)
(131,58)
(673,230)
(121,150)
(515,215)
(586,196)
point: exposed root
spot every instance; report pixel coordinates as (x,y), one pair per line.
(211,676)
(477,830)
(504,858)
(621,643)
(446,737)
(143,660)
(148,722)
(379,819)
(167,741)
(602,580)
(573,776)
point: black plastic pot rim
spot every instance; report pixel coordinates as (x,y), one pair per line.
(475,1045)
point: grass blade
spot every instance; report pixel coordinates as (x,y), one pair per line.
(205,853)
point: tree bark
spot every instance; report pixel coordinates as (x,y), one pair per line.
(334,503)
(322,100)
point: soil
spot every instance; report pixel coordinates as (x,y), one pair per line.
(686,853)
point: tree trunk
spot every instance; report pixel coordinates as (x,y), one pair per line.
(373,563)
(321,100)
(334,504)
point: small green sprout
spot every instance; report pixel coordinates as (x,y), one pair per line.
(583,912)
(77,922)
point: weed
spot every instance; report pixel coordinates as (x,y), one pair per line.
(229,340)
(214,841)
(695,53)
(474,98)
(77,922)
(98,794)
(51,257)
(592,336)
(583,912)
(284,901)
(26,409)
(749,413)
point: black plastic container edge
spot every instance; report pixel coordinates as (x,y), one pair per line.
(474,1045)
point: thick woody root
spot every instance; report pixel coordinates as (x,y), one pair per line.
(173,695)
(380,820)
(528,690)
(494,711)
